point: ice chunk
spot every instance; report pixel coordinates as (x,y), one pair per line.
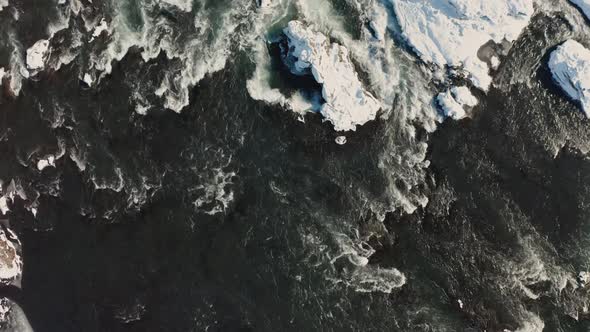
(570,67)
(347,103)
(450,32)
(37,54)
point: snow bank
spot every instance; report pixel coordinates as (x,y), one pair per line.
(450,32)
(454,101)
(570,67)
(584,5)
(347,103)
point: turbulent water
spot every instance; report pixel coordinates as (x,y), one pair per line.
(166,178)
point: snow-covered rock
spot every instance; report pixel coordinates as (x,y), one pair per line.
(340,140)
(570,67)
(450,32)
(454,101)
(3,3)
(347,103)
(584,5)
(2,73)
(37,54)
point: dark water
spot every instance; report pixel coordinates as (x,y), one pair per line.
(147,258)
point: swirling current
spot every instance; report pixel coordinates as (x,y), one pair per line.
(154,181)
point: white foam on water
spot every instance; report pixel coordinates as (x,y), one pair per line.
(215,195)
(184,5)
(115,184)
(18,70)
(4,209)
(13,317)
(10,260)
(200,52)
(531,323)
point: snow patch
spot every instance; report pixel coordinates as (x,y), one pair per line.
(570,67)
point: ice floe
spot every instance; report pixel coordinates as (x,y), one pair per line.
(450,32)
(570,67)
(347,102)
